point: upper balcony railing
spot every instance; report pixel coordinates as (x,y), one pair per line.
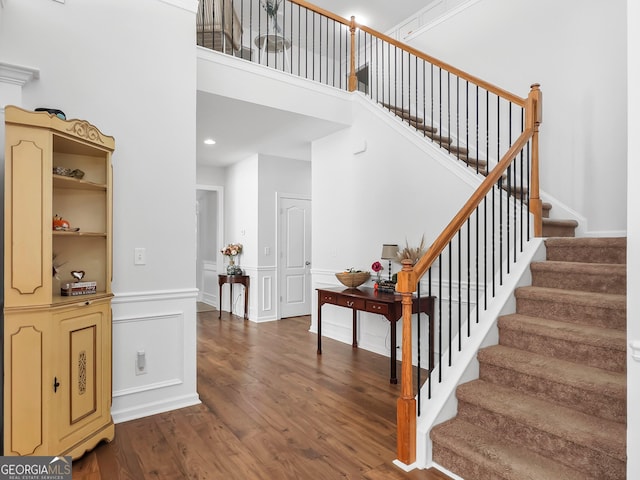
(484,127)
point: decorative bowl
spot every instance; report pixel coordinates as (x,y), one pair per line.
(352,279)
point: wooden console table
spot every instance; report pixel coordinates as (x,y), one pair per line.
(231,279)
(366,299)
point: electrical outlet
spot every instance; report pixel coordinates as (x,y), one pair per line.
(141,362)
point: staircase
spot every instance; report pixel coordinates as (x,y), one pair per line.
(550,403)
(550,227)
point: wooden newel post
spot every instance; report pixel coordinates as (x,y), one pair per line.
(534,119)
(353,81)
(406,406)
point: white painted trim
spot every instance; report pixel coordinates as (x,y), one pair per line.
(17,74)
(404,466)
(154,296)
(144,318)
(188,5)
(442,18)
(147,387)
(220,240)
(448,473)
(153,408)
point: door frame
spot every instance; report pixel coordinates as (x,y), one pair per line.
(220,214)
(279,198)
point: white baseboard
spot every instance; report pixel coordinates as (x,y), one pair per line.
(154,408)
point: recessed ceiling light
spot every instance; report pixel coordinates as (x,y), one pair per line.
(210,141)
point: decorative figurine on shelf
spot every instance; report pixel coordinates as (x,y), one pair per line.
(62,225)
(77,274)
(232,251)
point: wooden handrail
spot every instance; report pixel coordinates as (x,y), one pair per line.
(469,207)
(409,276)
(445,66)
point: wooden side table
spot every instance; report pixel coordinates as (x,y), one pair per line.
(231,279)
(389,305)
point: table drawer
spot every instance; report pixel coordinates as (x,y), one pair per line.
(354,303)
(377,307)
(326,297)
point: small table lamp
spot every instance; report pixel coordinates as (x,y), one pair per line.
(389,252)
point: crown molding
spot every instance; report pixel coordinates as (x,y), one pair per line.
(17,74)
(188,5)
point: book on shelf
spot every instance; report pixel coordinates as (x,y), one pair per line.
(78,288)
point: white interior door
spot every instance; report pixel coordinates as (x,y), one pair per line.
(295,256)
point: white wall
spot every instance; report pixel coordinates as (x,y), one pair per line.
(390,193)
(576,50)
(633,241)
(276,176)
(241,226)
(107,62)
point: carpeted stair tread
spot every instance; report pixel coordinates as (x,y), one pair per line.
(591,390)
(592,250)
(589,277)
(548,419)
(598,309)
(595,346)
(479,455)
(580,376)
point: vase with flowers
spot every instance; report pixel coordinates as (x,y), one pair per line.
(231,251)
(377,268)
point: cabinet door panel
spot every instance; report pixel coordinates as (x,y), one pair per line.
(80,400)
(28,218)
(25,378)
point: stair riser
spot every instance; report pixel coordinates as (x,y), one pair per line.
(605,358)
(558,231)
(602,282)
(573,312)
(461,465)
(593,462)
(587,254)
(586,401)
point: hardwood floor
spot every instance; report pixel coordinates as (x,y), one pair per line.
(271,409)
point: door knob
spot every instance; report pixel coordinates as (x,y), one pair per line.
(307,263)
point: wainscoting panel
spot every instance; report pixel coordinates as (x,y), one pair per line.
(160,328)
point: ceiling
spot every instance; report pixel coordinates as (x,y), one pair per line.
(381,15)
(275,132)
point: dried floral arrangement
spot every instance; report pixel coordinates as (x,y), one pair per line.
(411,253)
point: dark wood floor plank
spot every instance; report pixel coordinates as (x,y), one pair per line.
(271,409)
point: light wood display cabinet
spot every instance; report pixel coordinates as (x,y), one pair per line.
(57,348)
